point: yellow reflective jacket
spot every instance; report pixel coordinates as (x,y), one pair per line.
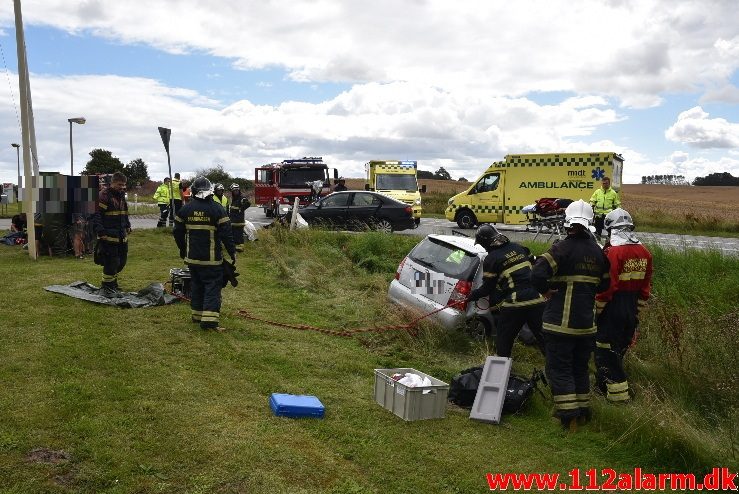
(161,196)
(605,201)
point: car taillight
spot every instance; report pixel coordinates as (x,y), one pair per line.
(460,293)
(400,268)
(409,210)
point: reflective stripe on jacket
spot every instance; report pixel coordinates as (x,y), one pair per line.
(577,269)
(507,277)
(201,231)
(161,196)
(630,271)
(110,221)
(605,201)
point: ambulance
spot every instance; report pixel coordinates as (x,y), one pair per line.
(396,179)
(500,194)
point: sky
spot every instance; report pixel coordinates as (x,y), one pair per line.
(452,84)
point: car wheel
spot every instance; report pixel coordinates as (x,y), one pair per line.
(478,328)
(383,225)
(466,219)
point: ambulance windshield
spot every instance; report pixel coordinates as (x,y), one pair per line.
(392,181)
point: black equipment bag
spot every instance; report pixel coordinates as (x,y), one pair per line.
(520,390)
(463,389)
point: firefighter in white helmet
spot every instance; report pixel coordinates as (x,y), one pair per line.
(569,275)
(618,307)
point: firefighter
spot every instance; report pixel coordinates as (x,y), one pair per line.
(219,197)
(507,280)
(202,231)
(603,200)
(340,185)
(112,226)
(236,209)
(618,307)
(161,196)
(569,275)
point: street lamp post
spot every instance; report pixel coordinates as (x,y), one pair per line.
(78,120)
(18,153)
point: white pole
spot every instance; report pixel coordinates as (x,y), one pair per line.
(294,218)
(31,120)
(28,199)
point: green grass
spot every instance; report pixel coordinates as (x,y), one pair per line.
(685,224)
(143,401)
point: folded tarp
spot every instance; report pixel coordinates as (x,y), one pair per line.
(150,296)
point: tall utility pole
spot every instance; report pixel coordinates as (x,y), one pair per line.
(29,207)
(18,156)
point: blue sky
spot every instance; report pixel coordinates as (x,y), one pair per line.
(457,85)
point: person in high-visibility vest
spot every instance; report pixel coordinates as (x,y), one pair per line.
(176,193)
(161,196)
(603,200)
(219,196)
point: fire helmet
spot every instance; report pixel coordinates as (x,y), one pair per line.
(579,213)
(618,219)
(201,188)
(488,236)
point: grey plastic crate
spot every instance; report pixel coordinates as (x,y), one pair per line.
(420,403)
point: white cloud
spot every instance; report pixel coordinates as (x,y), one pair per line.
(397,120)
(679,157)
(693,127)
(633,50)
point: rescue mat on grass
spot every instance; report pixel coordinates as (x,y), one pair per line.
(150,296)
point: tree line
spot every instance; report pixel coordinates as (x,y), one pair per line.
(440,174)
(102,161)
(721,179)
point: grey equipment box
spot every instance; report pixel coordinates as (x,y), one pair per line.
(491,391)
(418,403)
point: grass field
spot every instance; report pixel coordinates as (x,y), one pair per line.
(97,399)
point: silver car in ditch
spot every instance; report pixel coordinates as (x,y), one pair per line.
(442,269)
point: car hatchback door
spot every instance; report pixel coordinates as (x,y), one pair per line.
(433,269)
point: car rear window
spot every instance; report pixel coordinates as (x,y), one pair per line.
(445,258)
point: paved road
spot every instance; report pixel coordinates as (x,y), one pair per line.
(442,226)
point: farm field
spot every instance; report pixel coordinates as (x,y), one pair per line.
(657,208)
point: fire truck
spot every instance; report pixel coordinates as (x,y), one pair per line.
(280,183)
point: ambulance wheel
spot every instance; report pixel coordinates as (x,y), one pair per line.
(466,219)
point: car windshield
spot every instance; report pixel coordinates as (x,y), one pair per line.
(297,177)
(389,181)
(445,258)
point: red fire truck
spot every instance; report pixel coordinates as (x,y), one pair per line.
(281,183)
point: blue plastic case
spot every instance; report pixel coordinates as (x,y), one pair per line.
(295,406)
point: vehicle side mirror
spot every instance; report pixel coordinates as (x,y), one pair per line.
(423,189)
(366,187)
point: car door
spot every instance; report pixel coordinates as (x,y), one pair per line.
(488,198)
(333,209)
(362,209)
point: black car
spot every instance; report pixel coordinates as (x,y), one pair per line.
(359,210)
